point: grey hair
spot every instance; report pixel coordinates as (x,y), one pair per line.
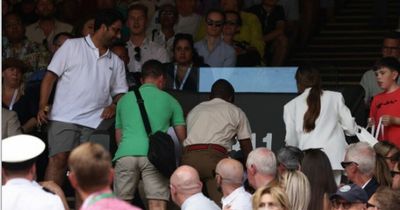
(364,155)
(263,159)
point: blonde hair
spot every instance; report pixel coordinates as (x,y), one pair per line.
(91,164)
(277,194)
(298,189)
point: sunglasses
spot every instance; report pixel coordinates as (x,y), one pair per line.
(347,163)
(218,24)
(138,57)
(231,23)
(345,205)
(394,173)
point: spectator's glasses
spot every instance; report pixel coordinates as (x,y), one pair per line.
(345,204)
(167,13)
(372,206)
(347,163)
(231,23)
(217,24)
(138,57)
(394,173)
(390,48)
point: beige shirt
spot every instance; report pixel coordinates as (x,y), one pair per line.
(216,122)
(35,33)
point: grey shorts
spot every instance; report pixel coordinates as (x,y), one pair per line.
(63,137)
(129,169)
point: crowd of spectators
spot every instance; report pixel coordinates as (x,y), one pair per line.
(68,66)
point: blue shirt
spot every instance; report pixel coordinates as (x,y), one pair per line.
(223,55)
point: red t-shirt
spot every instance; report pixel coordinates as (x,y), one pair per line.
(387,104)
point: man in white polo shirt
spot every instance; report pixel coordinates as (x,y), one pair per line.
(88,75)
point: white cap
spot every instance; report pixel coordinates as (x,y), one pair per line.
(20,148)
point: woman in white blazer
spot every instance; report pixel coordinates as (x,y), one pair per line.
(318,119)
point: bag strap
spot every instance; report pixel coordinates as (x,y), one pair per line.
(379,128)
(142,109)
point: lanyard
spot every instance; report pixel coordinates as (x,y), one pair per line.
(184,78)
(13,99)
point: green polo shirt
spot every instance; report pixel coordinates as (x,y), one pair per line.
(163,111)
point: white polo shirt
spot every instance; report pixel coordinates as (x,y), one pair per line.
(148,50)
(22,194)
(86,82)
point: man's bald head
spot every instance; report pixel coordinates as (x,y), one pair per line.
(185,180)
(230,170)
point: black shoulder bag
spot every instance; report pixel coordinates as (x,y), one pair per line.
(161,146)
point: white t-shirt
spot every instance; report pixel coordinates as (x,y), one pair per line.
(23,194)
(199,202)
(148,50)
(239,199)
(86,82)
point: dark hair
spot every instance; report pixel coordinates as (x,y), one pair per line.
(77,31)
(307,76)
(139,7)
(317,168)
(57,36)
(215,11)
(20,167)
(222,89)
(153,69)
(196,59)
(107,17)
(165,7)
(392,35)
(239,19)
(388,62)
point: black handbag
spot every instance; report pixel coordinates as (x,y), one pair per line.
(161,146)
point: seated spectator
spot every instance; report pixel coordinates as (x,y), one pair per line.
(386,105)
(289,158)
(272,18)
(140,48)
(250,30)
(91,175)
(84,26)
(119,48)
(297,188)
(21,191)
(247,55)
(229,176)
(318,169)
(167,17)
(359,165)
(186,188)
(385,161)
(384,199)
(59,40)
(261,168)
(15,97)
(188,21)
(183,72)
(16,45)
(271,198)
(390,48)
(10,125)
(44,30)
(395,172)
(350,197)
(214,50)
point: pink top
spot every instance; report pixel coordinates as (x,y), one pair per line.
(106,203)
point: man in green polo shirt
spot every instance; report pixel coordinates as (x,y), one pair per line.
(131,161)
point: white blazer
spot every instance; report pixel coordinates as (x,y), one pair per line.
(334,118)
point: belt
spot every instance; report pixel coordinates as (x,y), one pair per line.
(195,147)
